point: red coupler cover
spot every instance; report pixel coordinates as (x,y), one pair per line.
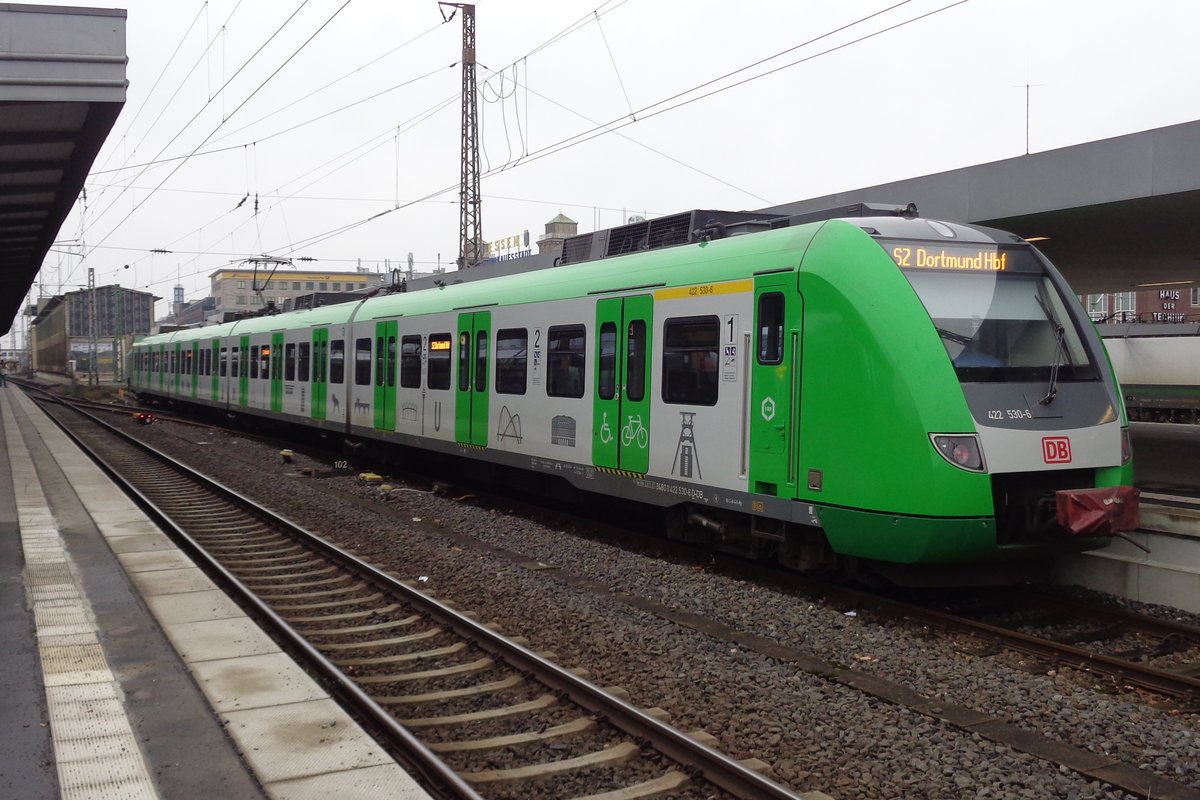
(1098,512)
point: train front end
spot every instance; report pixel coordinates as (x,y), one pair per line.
(991,358)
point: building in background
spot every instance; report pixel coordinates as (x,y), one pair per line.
(1167,303)
(237,291)
(61,334)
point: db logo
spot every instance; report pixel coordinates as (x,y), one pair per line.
(1056,450)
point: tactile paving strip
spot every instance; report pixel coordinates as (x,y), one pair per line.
(95,750)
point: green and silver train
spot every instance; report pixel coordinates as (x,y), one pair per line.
(872,390)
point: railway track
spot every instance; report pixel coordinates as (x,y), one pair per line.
(478,714)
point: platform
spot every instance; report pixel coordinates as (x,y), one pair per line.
(127,672)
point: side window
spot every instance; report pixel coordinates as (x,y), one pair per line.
(690,347)
(464,361)
(481,355)
(565,348)
(607,386)
(391,361)
(255,355)
(302,364)
(289,361)
(337,361)
(770,328)
(439,361)
(410,362)
(174,363)
(379,351)
(362,362)
(635,362)
(224,361)
(265,357)
(512,353)
(235,362)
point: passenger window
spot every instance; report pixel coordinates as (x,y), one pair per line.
(265,361)
(607,379)
(302,365)
(235,362)
(410,362)
(565,350)
(690,365)
(391,361)
(770,328)
(289,361)
(464,361)
(337,361)
(439,361)
(224,361)
(481,354)
(512,353)
(255,355)
(362,362)
(635,362)
(379,351)
(246,361)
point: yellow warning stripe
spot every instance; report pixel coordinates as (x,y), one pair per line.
(622,472)
(705,290)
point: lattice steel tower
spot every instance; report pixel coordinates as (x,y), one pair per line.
(470,236)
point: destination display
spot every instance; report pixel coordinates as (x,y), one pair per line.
(938,257)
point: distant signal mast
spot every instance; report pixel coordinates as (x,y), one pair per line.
(470,235)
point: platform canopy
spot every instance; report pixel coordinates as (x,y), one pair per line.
(62,85)
(1111,214)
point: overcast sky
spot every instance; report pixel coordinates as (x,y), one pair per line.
(849,104)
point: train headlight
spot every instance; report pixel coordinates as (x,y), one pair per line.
(960,450)
(1126,446)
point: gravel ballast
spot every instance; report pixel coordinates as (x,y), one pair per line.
(815,733)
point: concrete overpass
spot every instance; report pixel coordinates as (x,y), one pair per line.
(62,85)
(1115,213)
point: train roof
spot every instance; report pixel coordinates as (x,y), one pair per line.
(706,260)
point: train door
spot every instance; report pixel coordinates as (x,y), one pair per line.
(214,369)
(385,376)
(275,370)
(471,396)
(194,368)
(320,375)
(176,368)
(241,366)
(775,385)
(621,413)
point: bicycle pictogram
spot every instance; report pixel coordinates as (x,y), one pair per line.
(635,431)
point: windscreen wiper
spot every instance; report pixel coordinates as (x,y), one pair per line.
(1060,335)
(957,338)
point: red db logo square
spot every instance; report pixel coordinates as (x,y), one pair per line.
(1056,450)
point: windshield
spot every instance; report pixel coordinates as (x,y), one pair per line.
(997,311)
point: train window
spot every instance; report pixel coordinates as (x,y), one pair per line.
(224,361)
(391,361)
(189,363)
(235,362)
(246,361)
(174,363)
(481,353)
(289,361)
(410,362)
(607,378)
(362,362)
(689,372)
(379,351)
(337,361)
(770,328)
(464,361)
(635,362)
(565,346)
(303,362)
(439,361)
(264,356)
(255,358)
(512,360)
(321,356)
